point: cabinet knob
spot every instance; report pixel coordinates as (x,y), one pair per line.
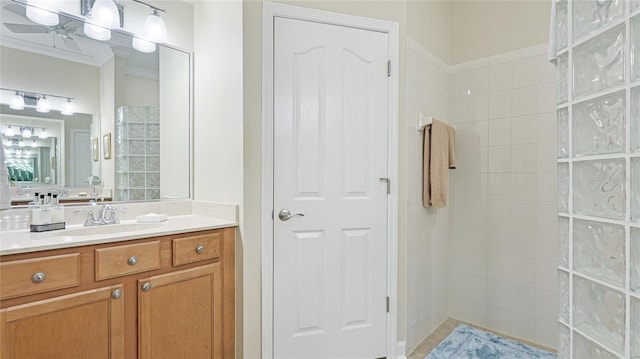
(116,294)
(133,260)
(146,287)
(200,249)
(39,277)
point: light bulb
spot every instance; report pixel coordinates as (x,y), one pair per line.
(155,29)
(43,134)
(17,102)
(105,13)
(97,32)
(67,108)
(143,45)
(43,105)
(43,12)
(21,143)
(26,132)
(9,132)
(34,144)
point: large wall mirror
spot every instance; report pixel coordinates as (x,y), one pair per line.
(130,121)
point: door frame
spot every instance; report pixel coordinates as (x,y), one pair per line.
(271,11)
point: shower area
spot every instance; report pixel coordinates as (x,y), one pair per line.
(541,236)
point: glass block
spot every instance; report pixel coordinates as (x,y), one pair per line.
(635,189)
(592,15)
(153,194)
(563,187)
(564,342)
(599,125)
(121,147)
(136,130)
(122,180)
(563,296)
(136,114)
(599,63)
(584,348)
(122,164)
(598,188)
(635,47)
(563,133)
(599,312)
(635,328)
(599,250)
(635,119)
(136,180)
(153,147)
(563,78)
(121,195)
(153,180)
(136,163)
(153,114)
(137,147)
(563,241)
(136,194)
(562,24)
(634,261)
(153,131)
(153,163)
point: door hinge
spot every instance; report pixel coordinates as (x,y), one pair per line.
(389,68)
(387,304)
(388,183)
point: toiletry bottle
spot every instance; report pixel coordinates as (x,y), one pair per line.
(57,212)
(36,198)
(48,199)
(45,210)
(36,212)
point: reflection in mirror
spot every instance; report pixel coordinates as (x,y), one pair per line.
(131,125)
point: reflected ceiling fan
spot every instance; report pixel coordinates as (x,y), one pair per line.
(64,30)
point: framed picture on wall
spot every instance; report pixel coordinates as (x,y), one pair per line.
(95,149)
(106,146)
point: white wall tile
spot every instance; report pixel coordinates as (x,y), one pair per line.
(524,186)
(498,293)
(500,132)
(522,271)
(548,216)
(547,157)
(547,245)
(499,213)
(477,212)
(524,101)
(499,185)
(547,186)
(500,77)
(522,243)
(525,72)
(547,127)
(477,159)
(522,326)
(547,333)
(500,104)
(524,129)
(546,304)
(522,299)
(498,319)
(477,185)
(478,133)
(498,266)
(524,158)
(459,84)
(458,111)
(546,275)
(479,81)
(500,159)
(523,214)
(478,107)
(477,313)
(547,98)
(477,288)
(546,70)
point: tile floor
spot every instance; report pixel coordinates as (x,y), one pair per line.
(445,329)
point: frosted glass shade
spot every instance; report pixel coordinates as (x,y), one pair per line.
(97,32)
(105,13)
(154,29)
(17,102)
(43,105)
(68,108)
(143,45)
(43,12)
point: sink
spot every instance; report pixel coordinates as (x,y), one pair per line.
(107,229)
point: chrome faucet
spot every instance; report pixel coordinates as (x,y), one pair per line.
(107,215)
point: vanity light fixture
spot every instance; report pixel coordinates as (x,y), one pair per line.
(104,16)
(17,101)
(43,12)
(96,32)
(43,104)
(153,32)
(34,144)
(21,143)
(26,132)
(43,134)
(9,131)
(143,45)
(67,108)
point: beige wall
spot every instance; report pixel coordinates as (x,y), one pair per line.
(484,28)
(428,25)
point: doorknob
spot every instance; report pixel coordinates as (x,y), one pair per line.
(285,215)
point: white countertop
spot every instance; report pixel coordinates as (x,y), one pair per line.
(23,241)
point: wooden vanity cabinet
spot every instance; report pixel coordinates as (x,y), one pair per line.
(175,299)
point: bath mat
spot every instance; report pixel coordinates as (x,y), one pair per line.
(466,342)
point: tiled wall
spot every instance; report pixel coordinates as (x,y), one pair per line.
(599,176)
(503,231)
(427,229)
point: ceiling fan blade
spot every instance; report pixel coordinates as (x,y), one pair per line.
(29,29)
(70,43)
(16,9)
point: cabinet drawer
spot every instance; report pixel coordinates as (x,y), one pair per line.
(196,248)
(38,275)
(122,260)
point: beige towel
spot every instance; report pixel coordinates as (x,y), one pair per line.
(438,156)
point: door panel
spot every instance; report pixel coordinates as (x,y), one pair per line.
(330,149)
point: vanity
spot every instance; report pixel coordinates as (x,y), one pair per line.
(128,290)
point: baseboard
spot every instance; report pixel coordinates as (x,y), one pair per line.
(400,350)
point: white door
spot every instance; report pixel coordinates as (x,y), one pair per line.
(330,151)
(80,157)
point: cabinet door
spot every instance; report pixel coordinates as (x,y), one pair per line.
(83,325)
(180,314)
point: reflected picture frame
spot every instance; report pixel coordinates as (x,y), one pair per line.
(106,146)
(95,149)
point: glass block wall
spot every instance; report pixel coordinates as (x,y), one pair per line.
(599,178)
(137,153)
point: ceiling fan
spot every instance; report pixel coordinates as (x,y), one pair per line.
(64,30)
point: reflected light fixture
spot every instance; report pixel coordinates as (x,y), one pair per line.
(43,134)
(34,144)
(9,131)
(43,104)
(104,16)
(43,12)
(26,132)
(96,32)
(21,143)
(67,108)
(17,102)
(143,45)
(154,28)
